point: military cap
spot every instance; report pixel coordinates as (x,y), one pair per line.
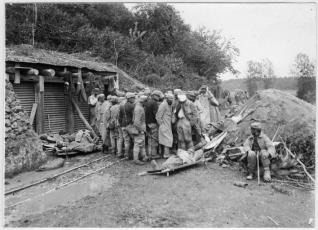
(176,91)
(113,99)
(143,98)
(100,95)
(182,97)
(130,95)
(169,95)
(156,92)
(256,125)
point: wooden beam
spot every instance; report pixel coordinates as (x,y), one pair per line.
(48,72)
(83,118)
(17,77)
(62,73)
(69,108)
(39,99)
(33,72)
(33,112)
(41,83)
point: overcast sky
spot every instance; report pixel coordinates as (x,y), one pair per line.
(275,31)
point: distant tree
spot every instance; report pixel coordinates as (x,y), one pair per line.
(254,73)
(304,69)
(267,73)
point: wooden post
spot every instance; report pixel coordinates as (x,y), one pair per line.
(17,75)
(69,107)
(81,85)
(39,99)
(41,83)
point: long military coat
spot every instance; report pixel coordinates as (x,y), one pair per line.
(164,118)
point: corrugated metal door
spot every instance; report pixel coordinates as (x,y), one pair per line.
(78,123)
(54,108)
(26,94)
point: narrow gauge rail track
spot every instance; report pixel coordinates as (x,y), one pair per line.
(108,164)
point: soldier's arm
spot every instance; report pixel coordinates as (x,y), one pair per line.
(159,114)
(270,146)
(212,99)
(246,145)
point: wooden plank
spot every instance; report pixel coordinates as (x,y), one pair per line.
(17,76)
(83,118)
(39,98)
(33,112)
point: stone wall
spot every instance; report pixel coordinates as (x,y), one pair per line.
(23,148)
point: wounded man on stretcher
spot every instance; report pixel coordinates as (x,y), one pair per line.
(182,157)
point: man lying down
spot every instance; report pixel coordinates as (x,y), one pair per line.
(181,157)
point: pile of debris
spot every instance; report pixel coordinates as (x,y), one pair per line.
(289,121)
(23,150)
(64,145)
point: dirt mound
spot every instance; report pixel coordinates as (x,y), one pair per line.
(23,148)
(273,108)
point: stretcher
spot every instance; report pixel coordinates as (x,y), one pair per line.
(175,169)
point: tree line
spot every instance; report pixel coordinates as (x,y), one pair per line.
(303,69)
(151,42)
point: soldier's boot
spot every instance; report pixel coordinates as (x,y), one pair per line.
(267,174)
(166,152)
(136,155)
(154,153)
(250,176)
(105,149)
(154,165)
(145,158)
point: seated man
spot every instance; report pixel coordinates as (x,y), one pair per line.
(258,143)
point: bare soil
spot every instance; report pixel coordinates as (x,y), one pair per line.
(203,196)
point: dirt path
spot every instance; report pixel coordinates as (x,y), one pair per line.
(198,197)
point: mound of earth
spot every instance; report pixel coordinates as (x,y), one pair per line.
(274,108)
(23,147)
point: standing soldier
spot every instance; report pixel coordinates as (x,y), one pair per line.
(92,101)
(100,101)
(112,124)
(210,105)
(139,123)
(164,119)
(186,116)
(174,124)
(125,121)
(151,108)
(196,124)
(103,114)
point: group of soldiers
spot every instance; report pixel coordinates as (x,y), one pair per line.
(150,125)
(162,122)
